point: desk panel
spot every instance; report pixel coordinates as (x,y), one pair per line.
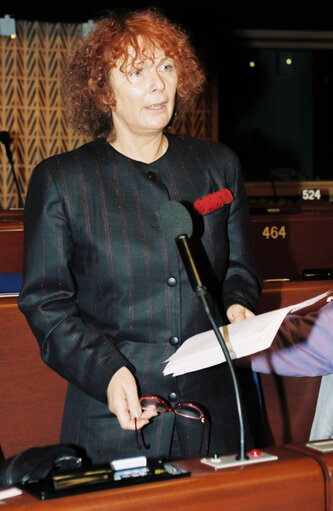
(32,395)
(11,245)
(290,403)
(277,294)
(285,245)
(295,481)
(325,460)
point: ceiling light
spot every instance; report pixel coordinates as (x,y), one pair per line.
(7,26)
(87,28)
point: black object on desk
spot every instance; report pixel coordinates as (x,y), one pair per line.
(101,477)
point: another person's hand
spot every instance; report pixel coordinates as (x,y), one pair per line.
(123,400)
(237,312)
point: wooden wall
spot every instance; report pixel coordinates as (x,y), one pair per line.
(31,109)
(30,106)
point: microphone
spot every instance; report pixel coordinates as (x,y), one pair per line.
(5,139)
(176,224)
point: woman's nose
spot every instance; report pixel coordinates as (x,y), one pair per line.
(157,83)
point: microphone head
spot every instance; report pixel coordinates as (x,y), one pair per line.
(5,137)
(175,220)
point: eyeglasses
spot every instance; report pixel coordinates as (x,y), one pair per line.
(158,405)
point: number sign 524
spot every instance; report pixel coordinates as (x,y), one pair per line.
(311,194)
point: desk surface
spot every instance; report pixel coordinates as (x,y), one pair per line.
(294,481)
(325,460)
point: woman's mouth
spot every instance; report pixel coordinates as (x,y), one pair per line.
(157,106)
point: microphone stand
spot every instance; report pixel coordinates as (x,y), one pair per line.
(176,223)
(242,456)
(201,292)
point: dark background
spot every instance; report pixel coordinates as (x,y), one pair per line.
(277,118)
(237,14)
(205,19)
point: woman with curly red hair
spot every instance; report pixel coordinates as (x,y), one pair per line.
(88,93)
(104,290)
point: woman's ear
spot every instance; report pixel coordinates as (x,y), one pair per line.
(102,96)
(92,85)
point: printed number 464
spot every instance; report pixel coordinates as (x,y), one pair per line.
(274,232)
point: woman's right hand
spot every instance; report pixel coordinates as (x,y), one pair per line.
(123,400)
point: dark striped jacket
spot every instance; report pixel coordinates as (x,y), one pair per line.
(102,286)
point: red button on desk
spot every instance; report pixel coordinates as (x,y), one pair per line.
(255,453)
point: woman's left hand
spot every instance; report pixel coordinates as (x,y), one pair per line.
(123,400)
(237,312)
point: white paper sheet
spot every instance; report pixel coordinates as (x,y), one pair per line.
(242,338)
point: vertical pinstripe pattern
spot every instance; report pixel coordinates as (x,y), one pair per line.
(92,220)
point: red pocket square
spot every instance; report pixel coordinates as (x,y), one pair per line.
(213,201)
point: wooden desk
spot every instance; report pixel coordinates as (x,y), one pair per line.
(289,402)
(32,395)
(283,245)
(286,245)
(294,482)
(277,294)
(325,460)
(11,242)
(11,214)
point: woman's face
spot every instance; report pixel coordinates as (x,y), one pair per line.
(145,94)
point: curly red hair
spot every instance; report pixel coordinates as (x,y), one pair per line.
(87,90)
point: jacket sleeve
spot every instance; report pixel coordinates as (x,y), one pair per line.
(48,299)
(303,346)
(243,281)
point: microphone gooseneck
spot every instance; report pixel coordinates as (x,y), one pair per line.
(176,224)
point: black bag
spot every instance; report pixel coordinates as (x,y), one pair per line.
(37,462)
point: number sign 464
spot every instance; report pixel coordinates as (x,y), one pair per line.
(274,232)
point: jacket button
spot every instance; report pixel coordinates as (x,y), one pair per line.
(173,340)
(172,281)
(150,175)
(172,396)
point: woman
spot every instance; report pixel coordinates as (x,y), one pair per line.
(104,292)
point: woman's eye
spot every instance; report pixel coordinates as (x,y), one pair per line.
(167,67)
(135,73)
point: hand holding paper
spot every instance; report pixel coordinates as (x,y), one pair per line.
(242,338)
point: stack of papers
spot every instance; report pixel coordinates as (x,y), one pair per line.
(242,338)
